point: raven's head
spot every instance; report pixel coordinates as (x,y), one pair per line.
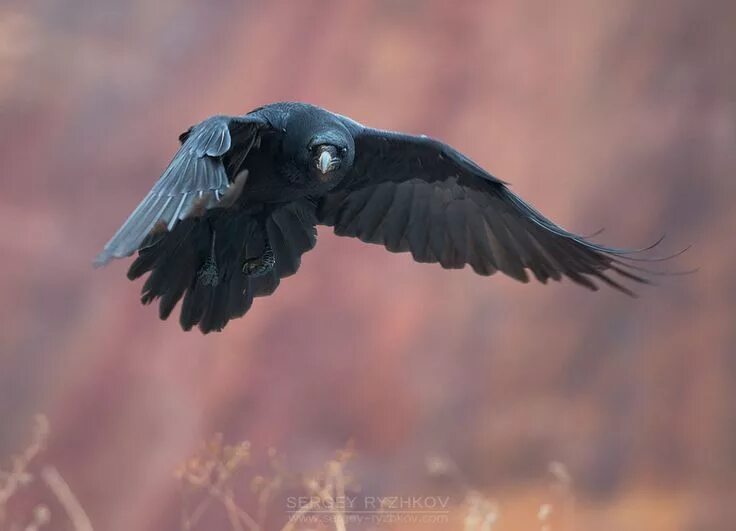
(330,153)
(319,146)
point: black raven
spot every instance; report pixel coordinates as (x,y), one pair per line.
(240,201)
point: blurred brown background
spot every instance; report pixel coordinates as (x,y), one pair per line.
(602,114)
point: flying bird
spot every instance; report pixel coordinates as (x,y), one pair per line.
(239,204)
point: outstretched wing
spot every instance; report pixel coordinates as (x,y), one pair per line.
(416,194)
(195,179)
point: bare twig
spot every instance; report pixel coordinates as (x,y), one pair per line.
(66,498)
(210,471)
(189,520)
(234,510)
(19,475)
(41,518)
(297,516)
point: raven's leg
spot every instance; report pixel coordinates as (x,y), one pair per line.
(256,267)
(208,274)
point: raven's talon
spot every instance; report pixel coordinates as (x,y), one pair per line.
(208,274)
(257,267)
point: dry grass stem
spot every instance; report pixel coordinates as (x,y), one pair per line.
(66,498)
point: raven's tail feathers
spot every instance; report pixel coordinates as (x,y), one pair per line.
(201,261)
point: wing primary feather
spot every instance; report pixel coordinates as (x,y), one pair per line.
(397,218)
(455,215)
(418,227)
(178,211)
(348,215)
(373,213)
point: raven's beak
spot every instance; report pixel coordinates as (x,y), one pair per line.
(324,162)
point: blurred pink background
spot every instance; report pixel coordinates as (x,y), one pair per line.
(602,114)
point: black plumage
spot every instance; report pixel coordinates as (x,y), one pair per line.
(240,201)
